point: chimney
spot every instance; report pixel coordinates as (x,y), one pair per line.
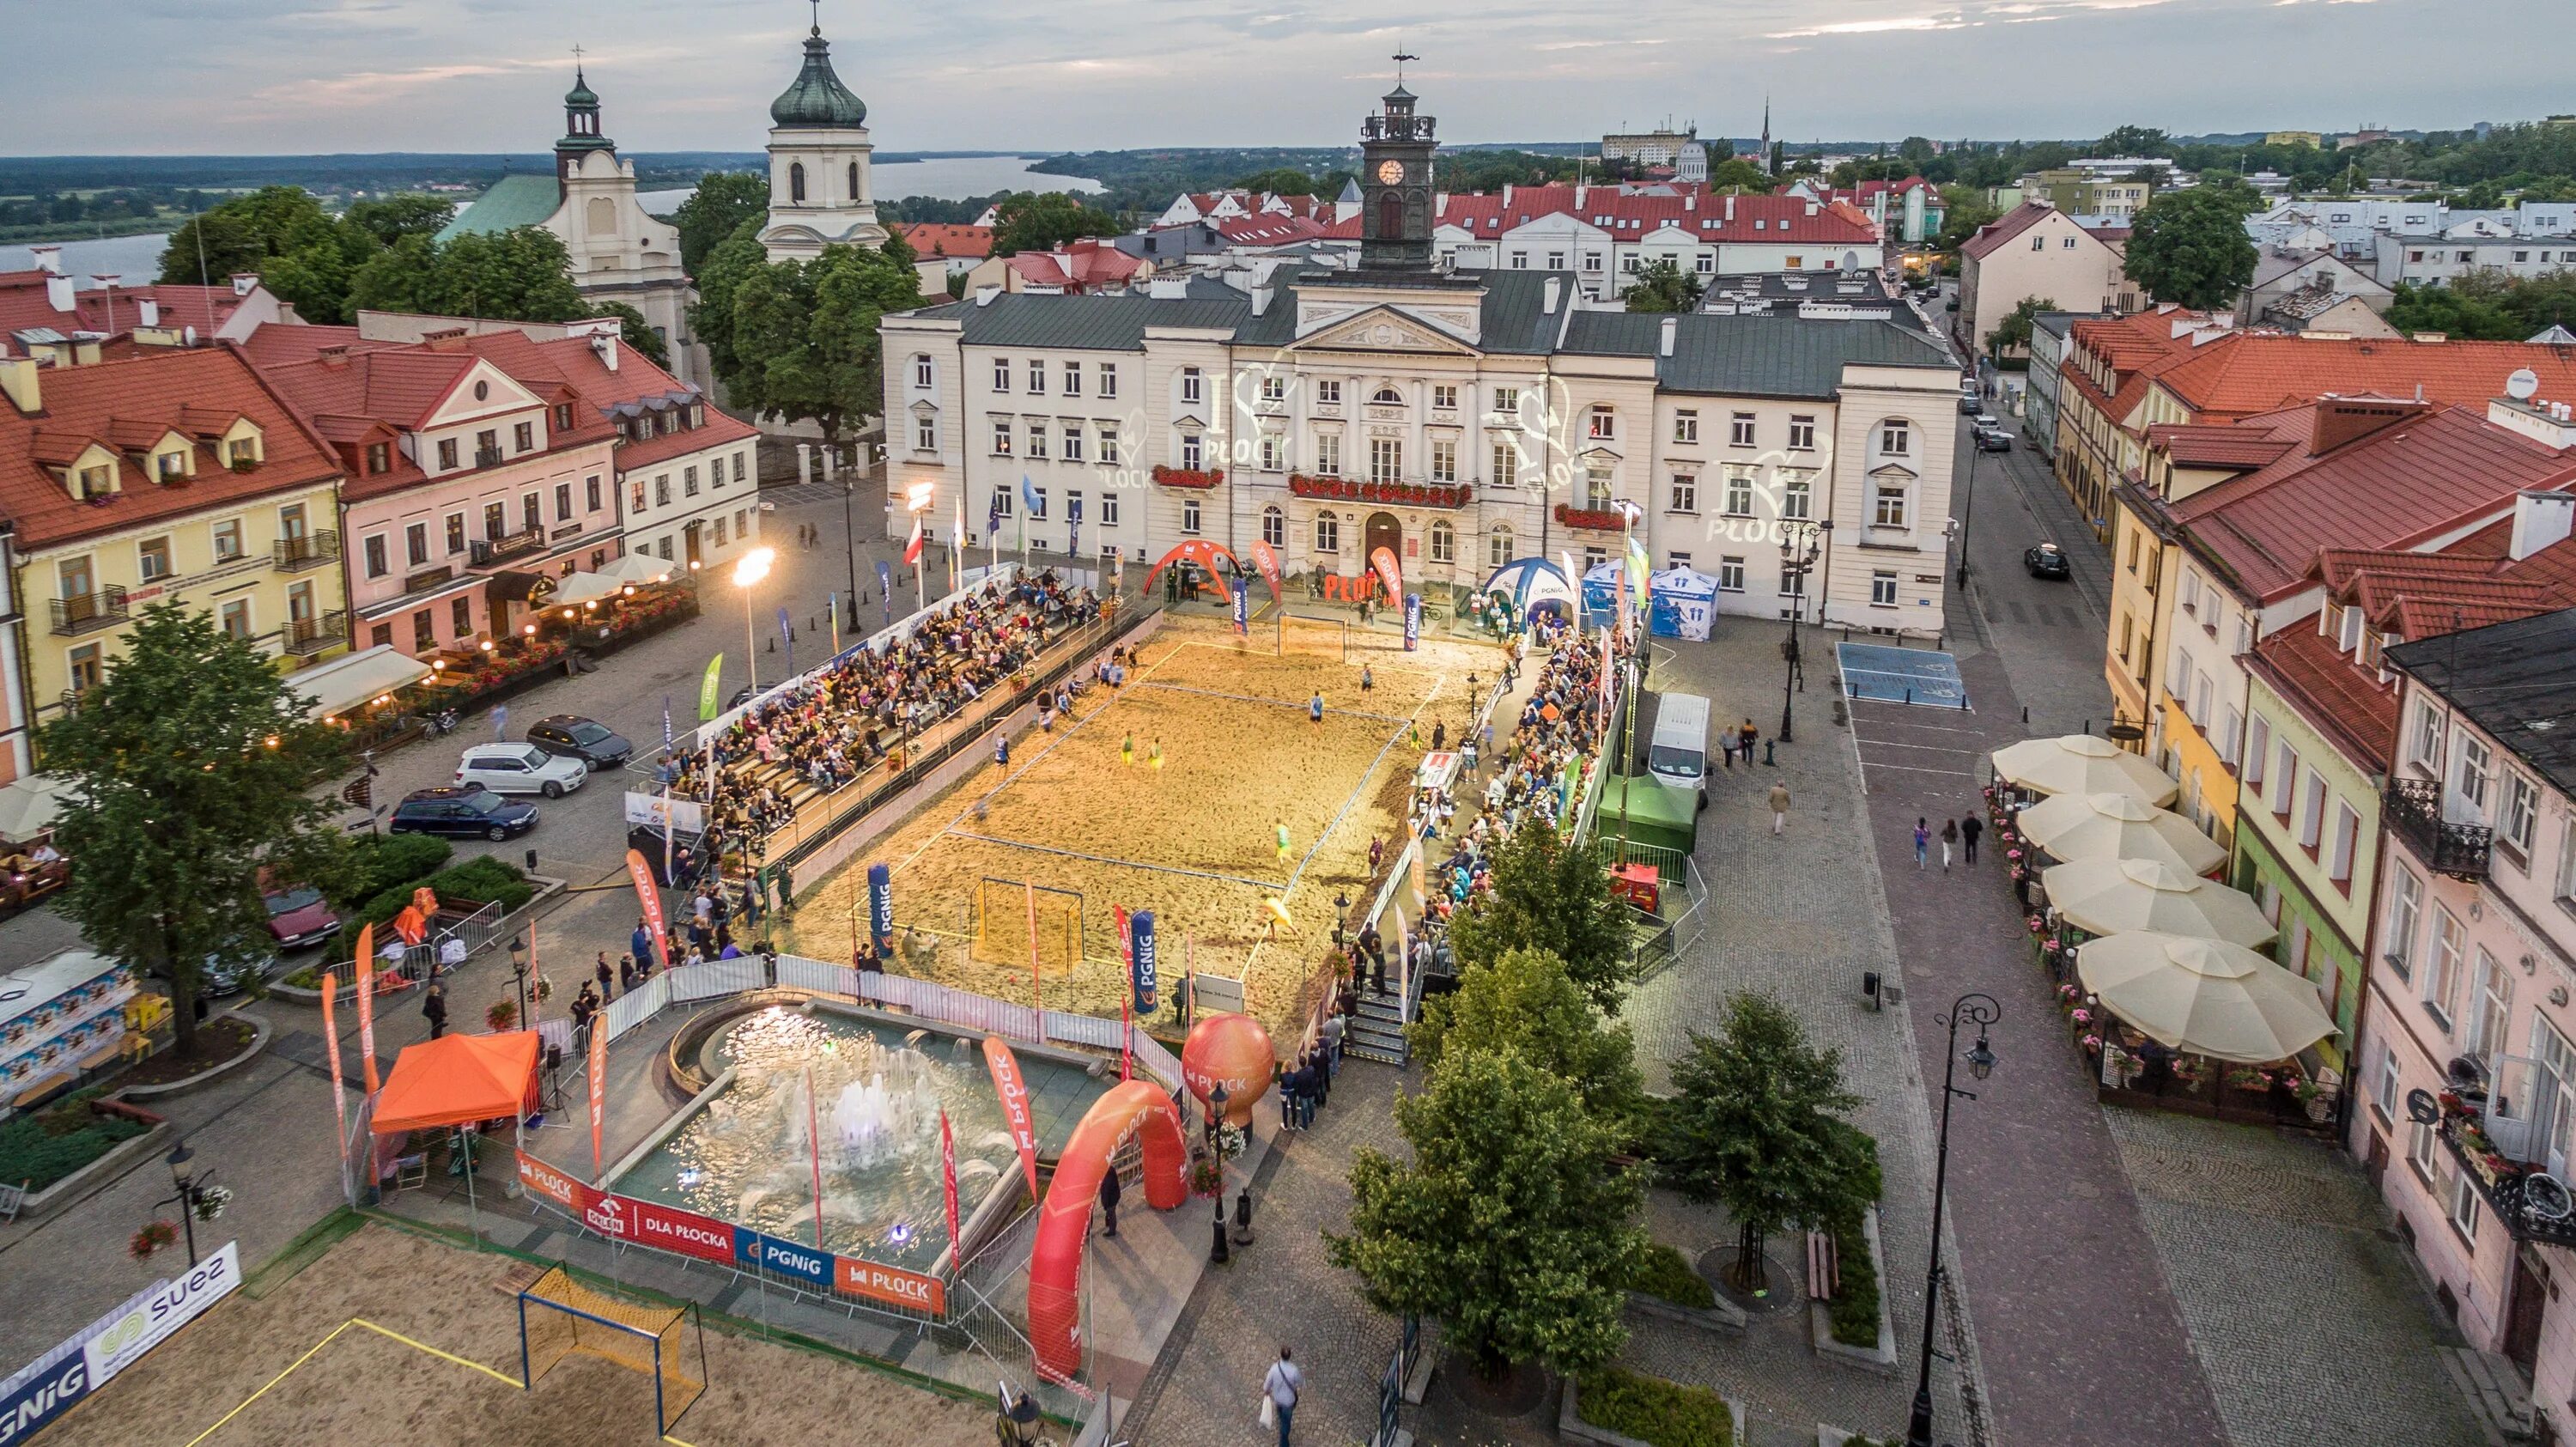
(58,291)
(1507,195)
(2540,519)
(243,281)
(2428,338)
(2344,420)
(147,312)
(1555,290)
(1261,296)
(19,383)
(1579,193)
(444,339)
(604,344)
(336,355)
(1167,288)
(1811,208)
(49,259)
(1691,202)
(1664,346)
(984,294)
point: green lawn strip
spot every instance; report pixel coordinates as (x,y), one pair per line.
(1652,1410)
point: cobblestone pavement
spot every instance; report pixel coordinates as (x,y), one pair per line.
(2287,1280)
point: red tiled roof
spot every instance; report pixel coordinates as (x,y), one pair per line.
(1083,265)
(2192,445)
(2257,372)
(1991,236)
(939,238)
(158,391)
(26,303)
(2337,698)
(1700,213)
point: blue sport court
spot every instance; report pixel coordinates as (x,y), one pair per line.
(1882,674)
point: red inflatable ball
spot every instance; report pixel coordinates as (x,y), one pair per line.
(1233,1051)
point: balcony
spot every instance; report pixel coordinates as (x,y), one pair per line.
(511,545)
(2502,1153)
(304,637)
(89,612)
(312,550)
(2413,809)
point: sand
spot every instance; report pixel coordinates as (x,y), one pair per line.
(1194,841)
(364,1387)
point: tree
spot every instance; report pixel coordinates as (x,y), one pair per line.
(1731,173)
(1045,220)
(2191,248)
(723,201)
(1664,287)
(2455,312)
(391,218)
(2134,141)
(2013,332)
(188,769)
(519,275)
(1511,1226)
(636,332)
(798,339)
(1756,1126)
(1524,1002)
(1552,896)
(282,233)
(1915,150)
(1280,180)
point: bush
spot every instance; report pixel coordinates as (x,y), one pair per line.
(1854,1308)
(44,1148)
(1651,1409)
(1667,1275)
(394,861)
(471,885)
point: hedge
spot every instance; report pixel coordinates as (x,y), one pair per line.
(470,885)
(394,861)
(1650,1409)
(1854,1308)
(41,1149)
(1667,1275)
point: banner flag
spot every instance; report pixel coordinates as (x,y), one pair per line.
(1640,581)
(1238,591)
(1142,967)
(598,1091)
(1015,1104)
(948,1181)
(331,1042)
(1266,559)
(1028,496)
(1383,560)
(1412,621)
(650,897)
(710,690)
(912,544)
(666,723)
(366,967)
(881,910)
(787,639)
(885,589)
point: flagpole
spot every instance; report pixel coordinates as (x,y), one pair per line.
(814,1133)
(1037,988)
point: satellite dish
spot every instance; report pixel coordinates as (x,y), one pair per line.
(2522,384)
(2422,1108)
(2547,1197)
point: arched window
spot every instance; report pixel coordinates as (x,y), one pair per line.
(1498,550)
(1444,542)
(1387,397)
(796,181)
(1274,526)
(854,180)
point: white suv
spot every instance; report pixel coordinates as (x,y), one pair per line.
(521,769)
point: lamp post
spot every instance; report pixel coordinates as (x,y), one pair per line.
(850,545)
(519,972)
(1968,513)
(1219,1253)
(1794,567)
(1981,1011)
(183,1174)
(750,568)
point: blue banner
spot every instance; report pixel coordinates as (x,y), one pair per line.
(1140,935)
(787,1258)
(1241,591)
(787,636)
(881,909)
(885,589)
(41,1399)
(1412,620)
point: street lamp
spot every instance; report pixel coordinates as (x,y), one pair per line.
(1794,567)
(749,569)
(1218,1251)
(850,546)
(1968,513)
(519,972)
(1981,1011)
(183,1174)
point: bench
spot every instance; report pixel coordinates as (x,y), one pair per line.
(1824,1266)
(13,1199)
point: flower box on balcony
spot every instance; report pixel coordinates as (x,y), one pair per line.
(1188,477)
(1400,494)
(1606,520)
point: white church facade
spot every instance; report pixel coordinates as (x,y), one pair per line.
(819,187)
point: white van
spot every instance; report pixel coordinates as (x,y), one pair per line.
(1678,754)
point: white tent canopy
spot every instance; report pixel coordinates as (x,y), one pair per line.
(2082,764)
(28,805)
(2114,897)
(583,588)
(355,679)
(638,569)
(2080,827)
(2207,997)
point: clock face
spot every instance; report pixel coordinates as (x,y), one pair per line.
(1390,172)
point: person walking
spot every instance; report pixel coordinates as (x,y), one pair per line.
(1922,840)
(1315,708)
(1969,829)
(433,1004)
(1725,747)
(1779,807)
(604,974)
(1439,735)
(1745,734)
(1949,841)
(1282,1386)
(1108,1199)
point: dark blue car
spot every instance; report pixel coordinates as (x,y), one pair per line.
(466,810)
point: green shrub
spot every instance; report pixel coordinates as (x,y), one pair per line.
(1854,1308)
(1651,1409)
(1667,1275)
(43,1148)
(394,861)
(471,885)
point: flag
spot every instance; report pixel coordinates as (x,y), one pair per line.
(1005,1068)
(666,723)
(1028,495)
(1383,561)
(1267,560)
(1073,524)
(598,1090)
(787,635)
(649,896)
(1638,578)
(956,545)
(331,1042)
(885,589)
(993,520)
(709,690)
(948,1177)
(367,1005)
(912,545)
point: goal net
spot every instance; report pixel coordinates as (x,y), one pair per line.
(559,1316)
(1003,925)
(1315,637)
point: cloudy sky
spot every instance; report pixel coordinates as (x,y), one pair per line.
(262,76)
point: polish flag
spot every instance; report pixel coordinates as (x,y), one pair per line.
(912,547)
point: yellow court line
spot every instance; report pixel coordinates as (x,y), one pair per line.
(272,1382)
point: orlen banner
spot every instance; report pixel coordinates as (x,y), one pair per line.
(1015,1105)
(649,896)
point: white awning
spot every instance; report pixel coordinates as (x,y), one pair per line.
(28,805)
(637,569)
(348,682)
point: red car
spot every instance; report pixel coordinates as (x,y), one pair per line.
(298,917)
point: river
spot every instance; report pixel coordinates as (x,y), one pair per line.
(137,259)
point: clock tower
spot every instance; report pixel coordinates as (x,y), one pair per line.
(1395,184)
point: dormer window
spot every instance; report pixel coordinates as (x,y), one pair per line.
(697,414)
(563,416)
(92,482)
(170,466)
(380,458)
(242,451)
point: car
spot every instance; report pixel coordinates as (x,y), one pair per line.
(239,966)
(298,917)
(1987,422)
(1993,439)
(520,769)
(2047,560)
(462,809)
(1970,404)
(594,743)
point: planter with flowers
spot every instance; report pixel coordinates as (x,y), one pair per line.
(1190,477)
(152,1237)
(1593,519)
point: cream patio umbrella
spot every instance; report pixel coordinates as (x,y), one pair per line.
(638,569)
(583,588)
(2083,827)
(2102,897)
(2082,764)
(2207,997)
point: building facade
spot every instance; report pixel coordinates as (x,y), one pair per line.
(820,192)
(2035,251)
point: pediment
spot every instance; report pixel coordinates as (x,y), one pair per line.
(1387,329)
(1893,472)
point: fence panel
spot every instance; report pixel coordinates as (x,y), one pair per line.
(558,1031)
(797,972)
(1158,1061)
(639,1004)
(716,977)
(1092,1030)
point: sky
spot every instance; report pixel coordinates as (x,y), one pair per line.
(295,76)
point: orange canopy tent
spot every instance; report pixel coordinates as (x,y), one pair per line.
(458,1080)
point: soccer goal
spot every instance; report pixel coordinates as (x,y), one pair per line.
(559,1316)
(1315,637)
(1004,924)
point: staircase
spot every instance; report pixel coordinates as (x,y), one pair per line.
(1377,1031)
(2498,1396)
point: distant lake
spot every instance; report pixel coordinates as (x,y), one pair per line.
(138,258)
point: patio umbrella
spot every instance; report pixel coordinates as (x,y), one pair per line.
(28,805)
(2207,997)
(2103,897)
(2079,827)
(2082,764)
(583,588)
(637,569)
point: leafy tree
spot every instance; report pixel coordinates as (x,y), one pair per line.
(636,332)
(1045,220)
(391,218)
(2543,301)
(798,339)
(1552,896)
(956,286)
(1525,1003)
(189,769)
(723,201)
(1664,287)
(1493,170)
(1731,173)
(2013,332)
(1756,1126)
(298,249)
(1511,1226)
(2191,248)
(1282,180)
(2134,141)
(520,275)
(1915,150)
(2454,312)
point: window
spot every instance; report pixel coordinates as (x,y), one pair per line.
(1739,491)
(1882,590)
(2423,1152)
(1274,388)
(173,465)
(921,369)
(1191,451)
(2312,811)
(1444,542)
(2226,736)
(563,497)
(241,451)
(2565,888)
(688,482)
(1073,379)
(1108,440)
(590,489)
(1520,261)
(1739,430)
(1556,261)
(1596,487)
(1498,547)
(1328,393)
(1797,492)
(2191,592)
(1004,502)
(2426,750)
(1038,441)
(737,467)
(1507,401)
(925,432)
(796,181)
(1685,493)
(523,437)
(1328,454)
(1677,560)
(1603,425)
(1109,509)
(1193,386)
(1889,511)
(1895,439)
(1592,261)
(2039,243)
(1271,452)
(1072,451)
(2442,964)
(1444,396)
(416,545)
(719,530)
(1730,575)
(2464,1205)
(1707,263)
(455,533)
(1274,526)
(1108,379)
(1001,439)
(1802,434)
(228,540)
(2285,779)
(1507,463)
(2521,819)
(424,631)
(374,550)
(1037,377)
(86,667)
(487,447)
(1686,426)
(1001,374)
(2258,743)
(446,454)
(1328,533)
(563,410)
(2490,1008)
(380,458)
(1793,584)
(1444,459)
(2346,839)
(2477,767)
(1386,459)
(1037,504)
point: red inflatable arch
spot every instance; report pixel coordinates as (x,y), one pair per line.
(1205,554)
(1064,1217)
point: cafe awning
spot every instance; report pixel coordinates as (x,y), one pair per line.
(356,679)
(638,569)
(583,588)
(2109,898)
(2078,827)
(510,586)
(2207,997)
(2082,764)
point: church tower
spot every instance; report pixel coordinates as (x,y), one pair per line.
(819,188)
(1395,184)
(581,129)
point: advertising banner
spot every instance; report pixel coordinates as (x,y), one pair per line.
(948,1182)
(787,636)
(1266,558)
(366,968)
(331,1043)
(649,897)
(885,590)
(44,1395)
(661,810)
(540,1179)
(891,1285)
(598,1091)
(1015,1105)
(1383,561)
(1412,621)
(1239,593)
(787,1258)
(685,1233)
(124,1341)
(881,910)
(1142,971)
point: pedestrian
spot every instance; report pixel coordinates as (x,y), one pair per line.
(1281,1388)
(1439,735)
(1108,1199)
(1969,829)
(1779,807)
(1377,971)
(1922,840)
(1368,679)
(642,940)
(1308,1089)
(434,1005)
(626,974)
(1336,1030)
(1287,1088)
(604,974)
(1726,747)
(1315,708)
(703,907)
(1744,737)
(1949,841)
